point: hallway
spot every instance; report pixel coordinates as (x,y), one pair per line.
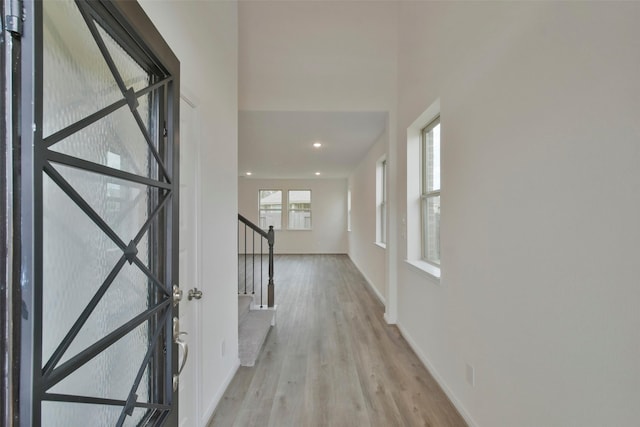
(331,359)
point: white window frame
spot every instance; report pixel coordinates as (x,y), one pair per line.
(275,226)
(428,167)
(289,210)
(412,224)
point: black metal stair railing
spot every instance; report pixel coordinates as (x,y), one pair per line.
(248,233)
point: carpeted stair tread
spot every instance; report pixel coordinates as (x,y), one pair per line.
(244,305)
(252,332)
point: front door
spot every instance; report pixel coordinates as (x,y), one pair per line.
(99,214)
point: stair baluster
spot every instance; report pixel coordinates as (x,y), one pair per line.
(269,237)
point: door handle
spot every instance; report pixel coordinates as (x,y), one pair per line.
(194,293)
(185,350)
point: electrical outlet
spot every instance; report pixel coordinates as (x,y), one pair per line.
(471,375)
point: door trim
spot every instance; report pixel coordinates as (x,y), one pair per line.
(194,328)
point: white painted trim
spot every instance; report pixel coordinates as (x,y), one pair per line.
(434,373)
(382,192)
(380,245)
(196,310)
(424,268)
(198,188)
(388,319)
(369,282)
(393,241)
(206,419)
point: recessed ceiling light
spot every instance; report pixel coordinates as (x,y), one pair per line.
(317,144)
(249,174)
(317,173)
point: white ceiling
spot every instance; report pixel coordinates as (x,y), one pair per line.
(279,144)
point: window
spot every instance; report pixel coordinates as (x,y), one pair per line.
(271,209)
(299,212)
(421,227)
(381,202)
(348,210)
(430,192)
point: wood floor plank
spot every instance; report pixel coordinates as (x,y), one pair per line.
(233,399)
(331,359)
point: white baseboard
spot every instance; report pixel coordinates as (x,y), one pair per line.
(388,319)
(370,283)
(434,373)
(216,399)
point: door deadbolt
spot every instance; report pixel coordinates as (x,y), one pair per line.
(194,293)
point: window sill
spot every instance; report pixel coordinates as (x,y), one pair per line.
(381,245)
(424,268)
(299,229)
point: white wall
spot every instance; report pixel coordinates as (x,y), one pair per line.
(328,214)
(203,35)
(540,207)
(317,56)
(369,257)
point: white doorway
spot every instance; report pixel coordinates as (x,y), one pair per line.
(190,309)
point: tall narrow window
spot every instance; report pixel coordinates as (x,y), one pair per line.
(430,192)
(349,210)
(299,212)
(381,202)
(271,209)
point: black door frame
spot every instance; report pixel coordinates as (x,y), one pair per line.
(24,292)
(10,329)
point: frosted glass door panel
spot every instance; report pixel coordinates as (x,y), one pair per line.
(77,81)
(114,141)
(67,414)
(123,205)
(132,74)
(103,299)
(109,375)
(77,257)
(129,293)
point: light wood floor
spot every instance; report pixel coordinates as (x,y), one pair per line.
(332,360)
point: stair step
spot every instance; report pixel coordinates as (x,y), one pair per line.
(244,305)
(252,332)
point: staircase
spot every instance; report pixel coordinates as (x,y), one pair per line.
(254,324)
(255,315)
